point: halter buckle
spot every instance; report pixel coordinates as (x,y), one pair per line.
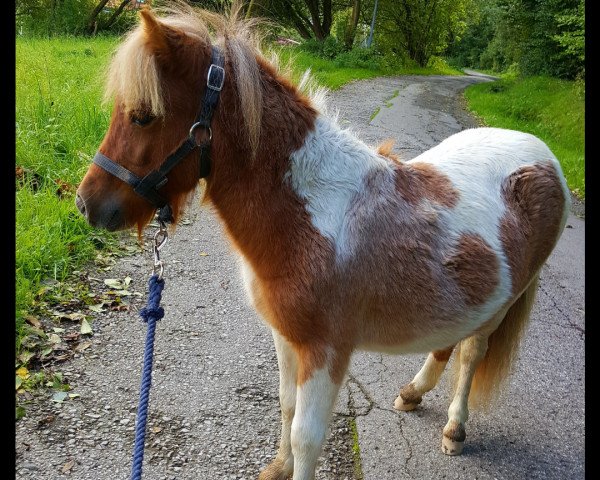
(218,77)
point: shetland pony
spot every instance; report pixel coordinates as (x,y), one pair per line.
(343,247)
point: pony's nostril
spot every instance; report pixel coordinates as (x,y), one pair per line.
(80,204)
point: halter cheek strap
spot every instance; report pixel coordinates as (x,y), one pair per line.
(149,185)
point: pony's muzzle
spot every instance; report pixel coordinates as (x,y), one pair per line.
(80,204)
(104,214)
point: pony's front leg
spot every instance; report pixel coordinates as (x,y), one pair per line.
(281,468)
(316,394)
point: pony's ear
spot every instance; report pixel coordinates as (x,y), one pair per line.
(160,38)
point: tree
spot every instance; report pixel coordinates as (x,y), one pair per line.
(310,18)
(92,23)
(540,37)
(571,38)
(350,31)
(421,28)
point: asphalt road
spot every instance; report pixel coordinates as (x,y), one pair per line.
(214,410)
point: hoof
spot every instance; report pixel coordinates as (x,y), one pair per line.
(408,399)
(276,470)
(451,447)
(453,438)
(400,404)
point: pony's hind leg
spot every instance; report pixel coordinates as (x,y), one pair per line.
(412,393)
(472,351)
(283,465)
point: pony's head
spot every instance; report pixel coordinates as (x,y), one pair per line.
(157,80)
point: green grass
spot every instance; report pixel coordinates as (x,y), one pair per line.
(355,449)
(549,108)
(59,125)
(326,73)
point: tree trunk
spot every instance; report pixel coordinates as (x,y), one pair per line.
(315,24)
(350,32)
(256,8)
(116,13)
(327,17)
(301,24)
(94,15)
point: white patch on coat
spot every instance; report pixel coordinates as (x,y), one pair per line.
(314,404)
(328,171)
(288,369)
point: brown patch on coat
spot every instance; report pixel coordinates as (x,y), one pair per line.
(530,228)
(385,150)
(418,180)
(455,431)
(410,395)
(475,267)
(443,355)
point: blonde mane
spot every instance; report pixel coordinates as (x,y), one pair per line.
(134,77)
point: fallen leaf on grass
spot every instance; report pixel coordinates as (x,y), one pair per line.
(54,338)
(71,337)
(60,358)
(58,330)
(113,283)
(66,468)
(25,356)
(74,317)
(86,329)
(33,321)
(37,331)
(20,413)
(60,397)
(97,308)
(18,382)
(83,346)
(122,293)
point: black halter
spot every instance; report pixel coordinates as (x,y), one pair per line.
(148,186)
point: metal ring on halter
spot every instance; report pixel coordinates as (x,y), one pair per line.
(195,126)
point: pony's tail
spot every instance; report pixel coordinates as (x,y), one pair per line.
(503,345)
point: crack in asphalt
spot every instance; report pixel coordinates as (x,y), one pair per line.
(571,325)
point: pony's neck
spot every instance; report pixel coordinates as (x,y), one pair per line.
(264,217)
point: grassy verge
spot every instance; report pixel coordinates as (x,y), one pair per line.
(549,108)
(328,74)
(59,124)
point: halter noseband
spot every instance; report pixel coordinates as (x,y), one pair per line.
(148,186)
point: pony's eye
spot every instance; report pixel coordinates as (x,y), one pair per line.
(142,119)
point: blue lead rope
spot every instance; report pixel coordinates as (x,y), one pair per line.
(150,314)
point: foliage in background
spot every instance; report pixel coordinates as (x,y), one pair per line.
(357,64)
(539,37)
(72,17)
(419,30)
(549,108)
